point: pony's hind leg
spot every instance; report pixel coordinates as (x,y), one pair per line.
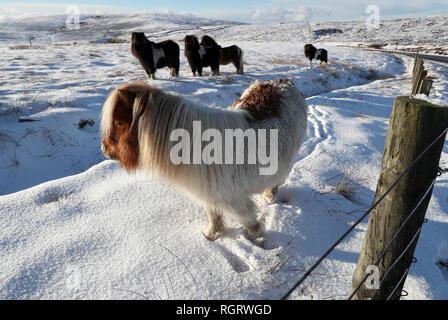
(215,226)
(270,194)
(244,212)
(174,71)
(238,66)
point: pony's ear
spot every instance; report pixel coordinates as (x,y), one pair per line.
(132,91)
(128,95)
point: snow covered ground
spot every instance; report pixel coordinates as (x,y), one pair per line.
(76,226)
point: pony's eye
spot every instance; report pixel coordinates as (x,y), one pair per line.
(119,123)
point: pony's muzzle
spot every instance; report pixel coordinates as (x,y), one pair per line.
(106,151)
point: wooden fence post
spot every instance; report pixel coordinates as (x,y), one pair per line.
(414,124)
(420,81)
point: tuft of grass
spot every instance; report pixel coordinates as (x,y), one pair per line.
(362,116)
(228,79)
(286,61)
(52,196)
(346,186)
(14,107)
(85,122)
(119,74)
(25,47)
(116,40)
(377,45)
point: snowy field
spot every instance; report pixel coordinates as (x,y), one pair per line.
(73,225)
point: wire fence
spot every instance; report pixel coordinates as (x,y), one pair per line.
(402,227)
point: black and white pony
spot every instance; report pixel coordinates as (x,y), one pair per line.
(311,52)
(154,56)
(199,56)
(232,54)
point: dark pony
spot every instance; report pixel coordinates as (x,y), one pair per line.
(192,54)
(312,53)
(154,56)
(232,54)
(199,56)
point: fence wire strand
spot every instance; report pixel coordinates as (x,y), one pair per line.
(394,237)
(398,284)
(399,258)
(339,240)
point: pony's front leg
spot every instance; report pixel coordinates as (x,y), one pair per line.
(151,74)
(173,72)
(215,226)
(244,212)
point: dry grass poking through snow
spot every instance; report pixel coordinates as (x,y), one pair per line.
(56,196)
(25,47)
(286,61)
(53,195)
(347,185)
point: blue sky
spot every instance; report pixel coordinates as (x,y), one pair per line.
(258,11)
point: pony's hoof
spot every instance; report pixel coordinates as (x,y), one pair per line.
(269,197)
(256,234)
(211,233)
(259,242)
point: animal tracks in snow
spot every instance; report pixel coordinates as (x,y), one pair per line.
(318,130)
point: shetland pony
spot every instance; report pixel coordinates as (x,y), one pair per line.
(312,53)
(191,52)
(232,54)
(199,56)
(322,55)
(154,56)
(138,121)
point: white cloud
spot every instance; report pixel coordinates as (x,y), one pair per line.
(278,14)
(24,9)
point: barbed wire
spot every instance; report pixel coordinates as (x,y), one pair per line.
(349,230)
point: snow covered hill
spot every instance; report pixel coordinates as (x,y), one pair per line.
(76,226)
(423,34)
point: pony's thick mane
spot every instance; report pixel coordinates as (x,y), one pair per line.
(165,113)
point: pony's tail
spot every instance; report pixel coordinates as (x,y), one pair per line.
(241,64)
